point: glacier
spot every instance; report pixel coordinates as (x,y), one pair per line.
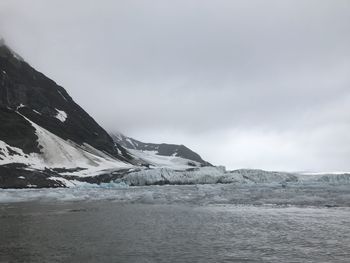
(219,175)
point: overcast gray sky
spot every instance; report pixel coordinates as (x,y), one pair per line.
(254,84)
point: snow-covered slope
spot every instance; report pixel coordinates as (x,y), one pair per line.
(153,160)
(161,155)
(55,152)
(169,156)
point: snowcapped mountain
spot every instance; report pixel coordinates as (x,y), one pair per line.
(43,129)
(38,98)
(162,155)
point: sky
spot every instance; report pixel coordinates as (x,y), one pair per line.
(246,84)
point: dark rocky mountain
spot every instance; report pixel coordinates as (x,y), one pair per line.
(28,92)
(162,149)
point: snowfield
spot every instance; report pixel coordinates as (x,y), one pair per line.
(170,162)
(58,153)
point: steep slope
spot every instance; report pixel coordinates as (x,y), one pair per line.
(44,133)
(58,153)
(41,100)
(161,155)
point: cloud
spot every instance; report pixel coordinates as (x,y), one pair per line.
(239,74)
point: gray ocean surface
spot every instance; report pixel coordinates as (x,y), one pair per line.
(216,223)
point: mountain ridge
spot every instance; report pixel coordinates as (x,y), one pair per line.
(162,149)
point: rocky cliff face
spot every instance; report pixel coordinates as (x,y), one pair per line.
(38,98)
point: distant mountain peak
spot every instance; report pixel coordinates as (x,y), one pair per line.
(161,149)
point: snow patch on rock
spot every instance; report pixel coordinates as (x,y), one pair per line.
(61,115)
(9,154)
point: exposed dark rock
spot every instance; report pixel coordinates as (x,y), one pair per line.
(107,177)
(66,170)
(17,132)
(16,176)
